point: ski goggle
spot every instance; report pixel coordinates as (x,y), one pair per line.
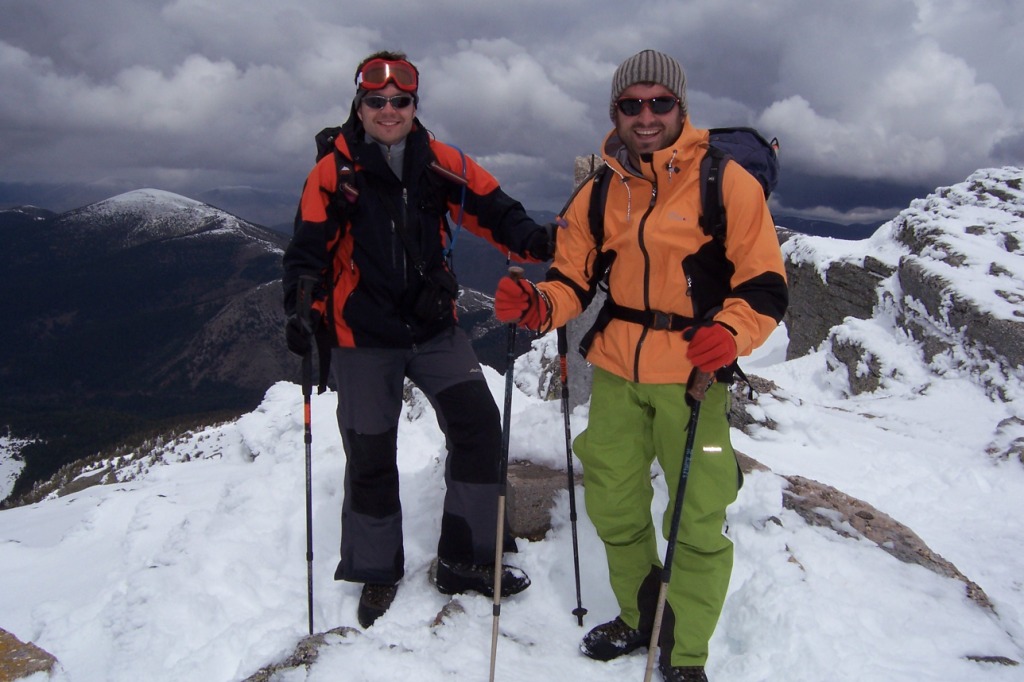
(659,105)
(379,101)
(376,73)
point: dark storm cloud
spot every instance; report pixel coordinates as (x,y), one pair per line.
(871,100)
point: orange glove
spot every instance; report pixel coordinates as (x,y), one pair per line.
(712,346)
(519,301)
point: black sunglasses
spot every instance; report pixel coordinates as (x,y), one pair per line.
(379,101)
(659,105)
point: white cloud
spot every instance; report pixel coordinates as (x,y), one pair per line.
(923,117)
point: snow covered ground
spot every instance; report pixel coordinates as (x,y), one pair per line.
(196,570)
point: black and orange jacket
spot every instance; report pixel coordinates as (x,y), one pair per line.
(349,243)
(665,262)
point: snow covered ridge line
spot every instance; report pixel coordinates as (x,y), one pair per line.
(33,212)
(133,461)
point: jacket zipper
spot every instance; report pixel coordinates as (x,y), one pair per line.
(647,276)
(405,221)
(394,244)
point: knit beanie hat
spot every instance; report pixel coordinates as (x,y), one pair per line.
(649,66)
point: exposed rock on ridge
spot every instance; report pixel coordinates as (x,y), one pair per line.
(945,274)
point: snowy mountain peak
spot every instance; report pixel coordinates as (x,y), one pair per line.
(147,215)
(153,201)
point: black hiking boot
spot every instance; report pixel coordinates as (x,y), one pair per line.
(613,639)
(456,578)
(374,602)
(682,673)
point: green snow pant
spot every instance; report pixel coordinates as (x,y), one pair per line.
(630,425)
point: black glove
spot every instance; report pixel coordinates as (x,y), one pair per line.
(298,330)
(541,243)
(298,335)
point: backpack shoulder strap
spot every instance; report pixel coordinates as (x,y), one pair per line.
(345,192)
(444,178)
(712,219)
(346,178)
(601,178)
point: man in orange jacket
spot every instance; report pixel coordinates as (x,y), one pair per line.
(678,299)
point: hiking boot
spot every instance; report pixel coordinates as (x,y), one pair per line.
(456,578)
(613,639)
(682,673)
(374,602)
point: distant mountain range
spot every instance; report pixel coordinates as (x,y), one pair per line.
(276,209)
(129,313)
(149,309)
(271,208)
(823,228)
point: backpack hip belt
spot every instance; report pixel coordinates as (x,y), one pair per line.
(652,319)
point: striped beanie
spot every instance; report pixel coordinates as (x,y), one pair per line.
(649,66)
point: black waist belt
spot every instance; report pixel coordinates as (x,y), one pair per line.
(652,319)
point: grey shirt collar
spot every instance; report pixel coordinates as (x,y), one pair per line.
(394,155)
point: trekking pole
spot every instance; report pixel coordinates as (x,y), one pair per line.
(506,426)
(563,346)
(305,300)
(698,387)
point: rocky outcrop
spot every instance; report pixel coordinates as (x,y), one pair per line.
(821,299)
(305,654)
(822,505)
(532,489)
(944,275)
(19,660)
(308,649)
(947,322)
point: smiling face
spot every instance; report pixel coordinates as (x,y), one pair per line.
(388,125)
(648,132)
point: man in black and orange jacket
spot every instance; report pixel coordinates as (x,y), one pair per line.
(370,236)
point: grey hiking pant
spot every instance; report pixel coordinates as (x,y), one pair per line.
(370,383)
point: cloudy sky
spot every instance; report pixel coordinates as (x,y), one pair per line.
(875,102)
